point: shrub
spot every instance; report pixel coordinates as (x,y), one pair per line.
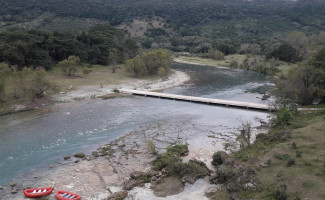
(86,71)
(233,64)
(222,175)
(66,157)
(280,192)
(194,169)
(180,150)
(170,157)
(281,156)
(151,146)
(162,72)
(79,155)
(298,154)
(291,162)
(218,158)
(283,117)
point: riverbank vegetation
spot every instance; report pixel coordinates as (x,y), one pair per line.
(298,62)
(288,162)
(156,62)
(36,64)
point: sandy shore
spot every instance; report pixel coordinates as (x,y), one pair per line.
(87,92)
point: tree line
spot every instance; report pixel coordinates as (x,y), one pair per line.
(37,48)
(193,23)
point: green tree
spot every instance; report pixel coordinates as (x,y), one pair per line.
(299,41)
(137,67)
(303,85)
(285,52)
(69,66)
(162,72)
(21,82)
(113,58)
(215,54)
(150,63)
(319,60)
(39,84)
(4,70)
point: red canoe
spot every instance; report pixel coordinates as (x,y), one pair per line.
(38,192)
(64,195)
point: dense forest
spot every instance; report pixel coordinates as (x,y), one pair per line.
(188,25)
(36,48)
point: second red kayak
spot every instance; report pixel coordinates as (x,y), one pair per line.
(37,192)
(64,195)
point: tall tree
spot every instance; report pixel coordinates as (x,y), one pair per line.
(113,58)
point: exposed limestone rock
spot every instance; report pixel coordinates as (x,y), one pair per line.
(118,195)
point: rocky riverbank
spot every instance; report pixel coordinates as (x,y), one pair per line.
(125,166)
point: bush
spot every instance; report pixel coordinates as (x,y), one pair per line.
(80,155)
(218,158)
(151,146)
(180,149)
(291,162)
(66,157)
(193,169)
(170,158)
(280,192)
(298,154)
(281,156)
(86,71)
(223,175)
(233,64)
(283,117)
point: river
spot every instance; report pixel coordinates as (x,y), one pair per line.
(38,138)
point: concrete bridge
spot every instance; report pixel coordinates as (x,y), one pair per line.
(219,102)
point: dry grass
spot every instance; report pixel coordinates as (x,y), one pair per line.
(100,75)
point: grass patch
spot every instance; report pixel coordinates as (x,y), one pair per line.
(297,160)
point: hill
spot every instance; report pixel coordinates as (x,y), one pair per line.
(181,25)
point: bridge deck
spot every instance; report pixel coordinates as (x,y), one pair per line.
(237,104)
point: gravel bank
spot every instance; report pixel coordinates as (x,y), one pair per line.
(87,92)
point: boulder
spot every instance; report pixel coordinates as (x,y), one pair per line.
(131,183)
(14,191)
(211,190)
(118,195)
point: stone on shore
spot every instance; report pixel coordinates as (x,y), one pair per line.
(118,195)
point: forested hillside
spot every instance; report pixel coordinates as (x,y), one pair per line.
(188,25)
(36,48)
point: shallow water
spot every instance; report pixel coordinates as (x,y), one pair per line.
(35,139)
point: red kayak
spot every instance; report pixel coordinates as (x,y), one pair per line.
(64,195)
(38,192)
